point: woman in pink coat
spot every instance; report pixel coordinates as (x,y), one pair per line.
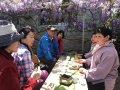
(103,64)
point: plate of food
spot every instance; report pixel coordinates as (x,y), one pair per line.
(74,66)
(66,79)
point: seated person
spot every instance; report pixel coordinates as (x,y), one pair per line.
(23,58)
(9,42)
(48,49)
(59,39)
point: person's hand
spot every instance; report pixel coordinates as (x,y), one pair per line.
(78,56)
(82,70)
(37,68)
(36,73)
(77,61)
(81,61)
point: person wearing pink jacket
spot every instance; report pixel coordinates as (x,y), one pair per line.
(104,63)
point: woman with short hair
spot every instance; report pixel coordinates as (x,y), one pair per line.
(103,64)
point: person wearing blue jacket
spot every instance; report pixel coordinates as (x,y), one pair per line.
(48,49)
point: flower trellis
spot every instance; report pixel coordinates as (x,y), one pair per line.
(77,15)
(67,11)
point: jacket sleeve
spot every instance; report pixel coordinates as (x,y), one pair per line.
(87,55)
(29,85)
(61,46)
(56,47)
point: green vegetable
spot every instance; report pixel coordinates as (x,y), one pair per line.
(60,87)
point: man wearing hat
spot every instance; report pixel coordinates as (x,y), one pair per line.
(48,48)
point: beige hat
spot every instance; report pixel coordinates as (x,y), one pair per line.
(51,28)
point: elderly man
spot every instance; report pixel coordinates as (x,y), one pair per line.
(48,49)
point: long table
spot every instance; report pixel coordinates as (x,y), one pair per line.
(63,67)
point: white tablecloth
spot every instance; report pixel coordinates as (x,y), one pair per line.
(62,67)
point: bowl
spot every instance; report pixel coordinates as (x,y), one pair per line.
(66,80)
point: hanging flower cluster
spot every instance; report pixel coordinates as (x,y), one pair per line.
(19,6)
(55,10)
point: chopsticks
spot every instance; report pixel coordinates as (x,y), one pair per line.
(74,72)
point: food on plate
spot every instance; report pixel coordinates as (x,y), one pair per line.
(66,80)
(75,67)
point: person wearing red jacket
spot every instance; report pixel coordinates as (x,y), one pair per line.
(59,39)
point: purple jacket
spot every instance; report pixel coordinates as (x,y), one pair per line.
(104,64)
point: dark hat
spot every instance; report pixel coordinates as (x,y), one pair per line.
(51,28)
(8,33)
